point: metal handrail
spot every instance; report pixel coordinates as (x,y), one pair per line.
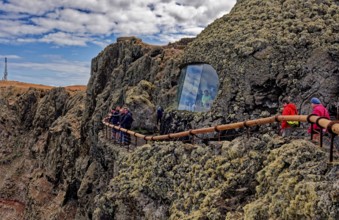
(331,126)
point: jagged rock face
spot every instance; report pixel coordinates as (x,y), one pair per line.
(262,51)
(40,133)
(295,184)
(133,74)
(266,177)
(266,50)
(59,154)
(12,184)
(58,167)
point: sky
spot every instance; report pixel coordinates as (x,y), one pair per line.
(52,42)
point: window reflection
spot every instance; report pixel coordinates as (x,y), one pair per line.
(198,85)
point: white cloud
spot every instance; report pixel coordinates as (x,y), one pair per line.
(15,28)
(61,38)
(10,56)
(85,20)
(61,67)
(63,23)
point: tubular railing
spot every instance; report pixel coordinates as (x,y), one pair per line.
(331,126)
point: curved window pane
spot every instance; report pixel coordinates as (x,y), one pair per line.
(198,86)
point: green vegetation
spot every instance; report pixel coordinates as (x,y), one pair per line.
(266,177)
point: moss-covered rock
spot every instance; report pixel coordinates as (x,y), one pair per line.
(294,185)
(181,182)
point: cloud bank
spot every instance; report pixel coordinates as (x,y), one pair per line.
(51,42)
(80,22)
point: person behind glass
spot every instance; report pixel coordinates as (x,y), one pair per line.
(206,99)
(114,120)
(126,122)
(198,99)
(160,112)
(288,109)
(319,110)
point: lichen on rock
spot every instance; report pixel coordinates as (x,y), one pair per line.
(181,182)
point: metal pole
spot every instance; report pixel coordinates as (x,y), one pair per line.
(321,137)
(331,148)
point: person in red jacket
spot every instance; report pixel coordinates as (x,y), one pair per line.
(289,109)
(319,110)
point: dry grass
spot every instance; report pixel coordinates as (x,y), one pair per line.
(22,85)
(76,88)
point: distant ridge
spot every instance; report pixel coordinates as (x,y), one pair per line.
(24,85)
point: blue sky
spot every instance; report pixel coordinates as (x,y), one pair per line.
(52,42)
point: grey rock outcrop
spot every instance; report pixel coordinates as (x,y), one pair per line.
(40,132)
(266,177)
(262,52)
(266,50)
(60,165)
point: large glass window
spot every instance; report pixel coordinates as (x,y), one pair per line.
(198,86)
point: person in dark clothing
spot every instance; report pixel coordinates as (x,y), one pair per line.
(115,120)
(126,122)
(160,112)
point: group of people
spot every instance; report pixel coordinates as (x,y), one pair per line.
(123,118)
(290,109)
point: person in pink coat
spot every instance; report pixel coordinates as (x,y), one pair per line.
(319,110)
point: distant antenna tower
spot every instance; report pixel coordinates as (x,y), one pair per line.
(5,71)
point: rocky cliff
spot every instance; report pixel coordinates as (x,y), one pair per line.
(57,164)
(40,133)
(266,50)
(255,178)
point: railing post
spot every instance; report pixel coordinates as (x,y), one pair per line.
(312,131)
(331,147)
(218,131)
(321,137)
(192,136)
(278,127)
(121,137)
(329,129)
(247,129)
